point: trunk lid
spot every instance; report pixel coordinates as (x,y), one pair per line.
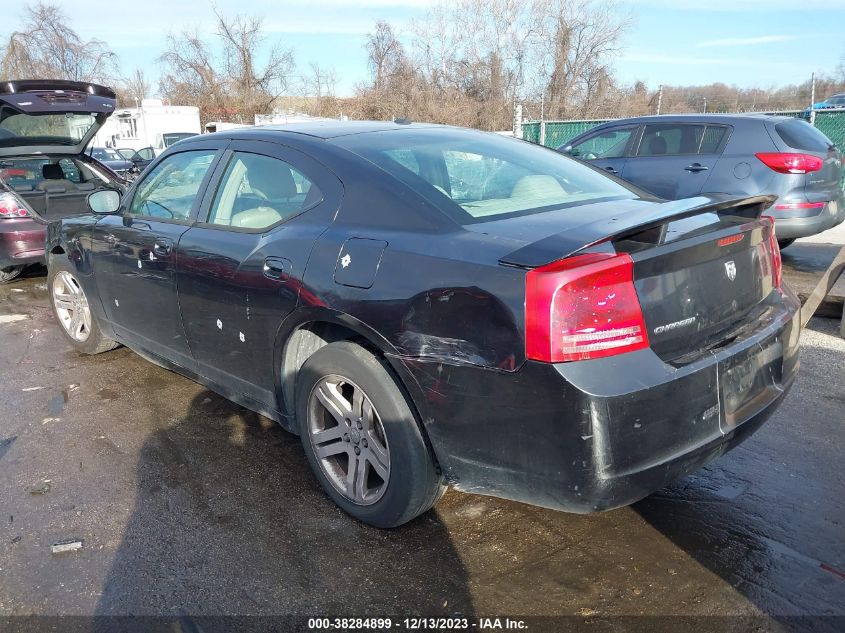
(702,268)
(51,116)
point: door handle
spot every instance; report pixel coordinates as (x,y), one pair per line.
(277,268)
(111,238)
(612,170)
(163,246)
(696,167)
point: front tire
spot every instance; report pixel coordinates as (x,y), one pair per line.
(9,273)
(361,438)
(73,312)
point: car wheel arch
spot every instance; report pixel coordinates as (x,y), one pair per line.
(300,336)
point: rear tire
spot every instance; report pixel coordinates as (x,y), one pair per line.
(9,273)
(361,438)
(72,311)
(784,243)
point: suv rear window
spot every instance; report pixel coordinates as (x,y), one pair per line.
(801,135)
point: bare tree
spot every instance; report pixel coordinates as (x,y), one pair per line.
(231,86)
(385,54)
(134,88)
(47,47)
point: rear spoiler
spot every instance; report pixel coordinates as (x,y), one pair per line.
(604,229)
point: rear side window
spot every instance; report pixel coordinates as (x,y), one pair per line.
(801,135)
(670,140)
(712,140)
(257,192)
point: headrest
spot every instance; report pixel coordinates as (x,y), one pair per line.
(52,171)
(270,178)
(656,145)
(538,186)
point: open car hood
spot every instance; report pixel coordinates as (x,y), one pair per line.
(51,116)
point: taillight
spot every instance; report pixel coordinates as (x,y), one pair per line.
(583,307)
(11,206)
(794,206)
(785,163)
(773,253)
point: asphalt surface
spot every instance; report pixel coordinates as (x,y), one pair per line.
(188,504)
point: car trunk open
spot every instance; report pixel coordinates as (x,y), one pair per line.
(51,116)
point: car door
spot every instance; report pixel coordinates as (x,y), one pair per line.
(606,148)
(240,267)
(135,253)
(674,160)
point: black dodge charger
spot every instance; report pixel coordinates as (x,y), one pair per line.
(429,306)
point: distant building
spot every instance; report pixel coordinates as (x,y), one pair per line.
(152,124)
(289,118)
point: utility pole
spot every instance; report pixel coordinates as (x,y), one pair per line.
(543,118)
(705,105)
(659,98)
(812,99)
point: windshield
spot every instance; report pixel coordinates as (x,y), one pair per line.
(51,129)
(170,139)
(105,154)
(475,176)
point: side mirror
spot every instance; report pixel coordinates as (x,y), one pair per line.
(104,201)
(566,149)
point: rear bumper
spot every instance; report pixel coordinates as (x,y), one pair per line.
(595,435)
(21,242)
(789,226)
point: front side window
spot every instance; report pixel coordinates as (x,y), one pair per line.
(608,144)
(258,191)
(169,190)
(474,177)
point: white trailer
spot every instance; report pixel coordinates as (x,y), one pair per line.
(151,124)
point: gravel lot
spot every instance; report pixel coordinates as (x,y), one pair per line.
(188,504)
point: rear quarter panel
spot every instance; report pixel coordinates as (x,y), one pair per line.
(738,171)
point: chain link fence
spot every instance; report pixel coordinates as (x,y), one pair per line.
(557,133)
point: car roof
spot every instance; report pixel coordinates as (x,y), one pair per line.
(320,129)
(728,119)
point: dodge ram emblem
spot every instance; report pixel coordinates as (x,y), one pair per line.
(730,269)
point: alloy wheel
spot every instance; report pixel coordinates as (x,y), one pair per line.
(71,306)
(348,438)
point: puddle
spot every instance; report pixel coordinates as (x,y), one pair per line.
(108,394)
(57,404)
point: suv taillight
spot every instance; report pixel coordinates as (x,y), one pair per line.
(773,253)
(11,206)
(583,307)
(785,163)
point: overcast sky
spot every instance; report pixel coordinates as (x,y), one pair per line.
(744,42)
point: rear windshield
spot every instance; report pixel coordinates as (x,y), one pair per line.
(801,135)
(475,176)
(18,129)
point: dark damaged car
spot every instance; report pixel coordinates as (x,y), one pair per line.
(429,306)
(45,173)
